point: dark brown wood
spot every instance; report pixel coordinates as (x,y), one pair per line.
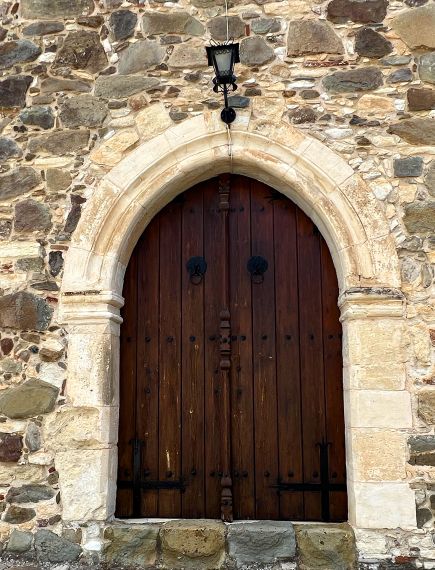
(231,383)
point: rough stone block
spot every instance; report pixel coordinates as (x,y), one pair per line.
(426,406)
(409,166)
(263,542)
(30,399)
(19,542)
(325,547)
(198,545)
(422,450)
(52,548)
(11,445)
(131,545)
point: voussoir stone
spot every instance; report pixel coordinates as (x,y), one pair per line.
(11,445)
(24,311)
(262,542)
(189,544)
(17,182)
(131,546)
(9,149)
(13,91)
(30,399)
(38,116)
(48,9)
(122,24)
(415,131)
(31,216)
(255,51)
(171,23)
(416,27)
(185,56)
(120,87)
(218,27)
(52,548)
(57,84)
(311,37)
(43,28)
(324,547)
(82,50)
(60,142)
(140,56)
(369,43)
(364,79)
(426,67)
(419,217)
(82,111)
(18,51)
(368,11)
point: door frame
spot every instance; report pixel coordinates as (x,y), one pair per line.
(372,305)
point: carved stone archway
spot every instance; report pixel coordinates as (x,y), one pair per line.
(349,217)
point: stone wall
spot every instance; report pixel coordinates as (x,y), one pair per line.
(84,83)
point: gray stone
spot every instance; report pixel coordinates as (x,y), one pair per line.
(309,94)
(58,179)
(82,111)
(29,494)
(266,25)
(18,181)
(32,439)
(302,115)
(73,218)
(218,27)
(59,143)
(24,311)
(364,79)
(31,216)
(57,85)
(122,24)
(415,131)
(410,269)
(423,516)
(429,177)
(52,548)
(81,50)
(91,21)
(207,3)
(18,51)
(55,261)
(11,445)
(130,547)
(186,56)
(420,99)
(416,27)
(120,87)
(419,217)
(30,264)
(426,67)
(421,443)
(238,101)
(9,149)
(13,91)
(255,51)
(38,116)
(396,60)
(368,11)
(261,543)
(32,398)
(171,23)
(312,37)
(48,9)
(400,75)
(43,28)
(326,547)
(140,56)
(409,166)
(19,542)
(18,515)
(369,43)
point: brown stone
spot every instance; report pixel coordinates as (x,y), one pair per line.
(82,50)
(419,217)
(13,91)
(326,547)
(312,37)
(48,9)
(59,143)
(24,311)
(131,547)
(6,344)
(11,445)
(27,400)
(420,99)
(31,216)
(171,23)
(255,51)
(368,11)
(218,27)
(426,406)
(18,515)
(415,131)
(58,179)
(18,181)
(416,27)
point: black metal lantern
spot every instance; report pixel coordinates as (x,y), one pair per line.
(223,58)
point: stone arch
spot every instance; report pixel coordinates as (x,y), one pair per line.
(349,217)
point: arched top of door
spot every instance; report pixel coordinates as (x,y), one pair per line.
(317,179)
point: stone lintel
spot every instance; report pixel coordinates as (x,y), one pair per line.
(371,302)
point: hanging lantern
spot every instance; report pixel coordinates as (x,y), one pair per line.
(223,58)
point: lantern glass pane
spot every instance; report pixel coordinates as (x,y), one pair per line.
(223,59)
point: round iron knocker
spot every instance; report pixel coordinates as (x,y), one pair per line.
(196,266)
(257,267)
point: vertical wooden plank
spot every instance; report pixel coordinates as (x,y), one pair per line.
(311,357)
(287,354)
(242,426)
(332,357)
(193,499)
(127,389)
(214,254)
(170,358)
(147,404)
(264,361)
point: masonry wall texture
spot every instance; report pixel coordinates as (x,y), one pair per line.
(82,83)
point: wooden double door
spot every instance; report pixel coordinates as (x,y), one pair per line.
(231,370)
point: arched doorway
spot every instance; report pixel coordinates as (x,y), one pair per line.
(231,399)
